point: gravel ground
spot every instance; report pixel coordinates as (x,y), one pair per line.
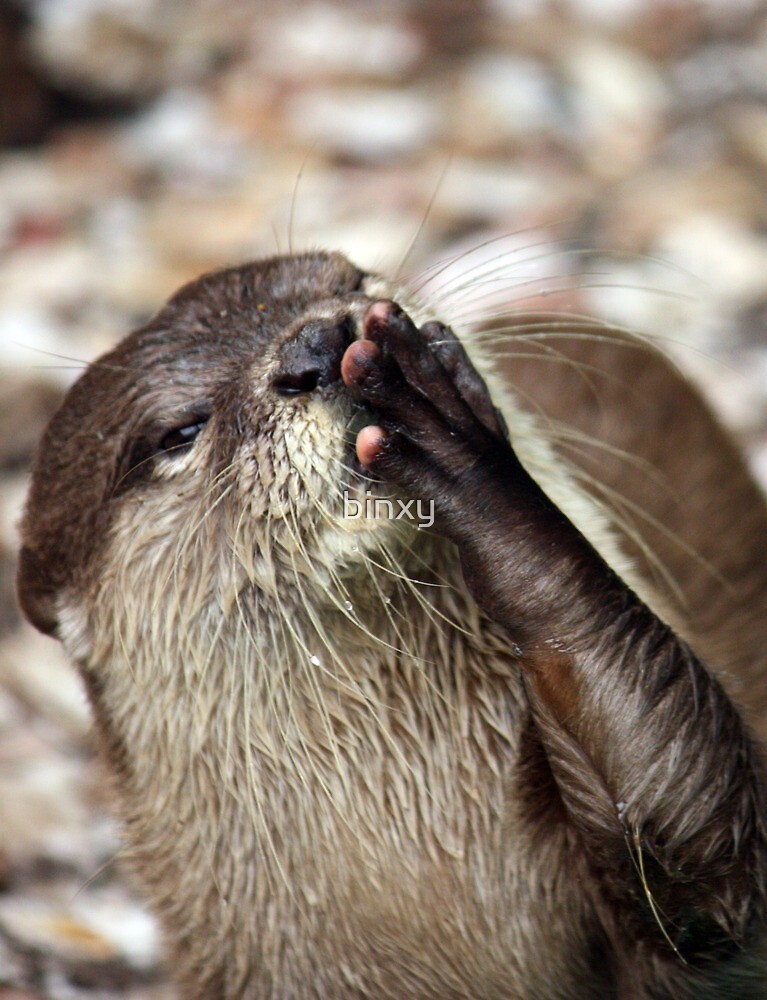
(601,156)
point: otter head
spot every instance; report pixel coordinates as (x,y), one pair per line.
(220,432)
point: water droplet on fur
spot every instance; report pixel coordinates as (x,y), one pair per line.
(348,605)
(314,660)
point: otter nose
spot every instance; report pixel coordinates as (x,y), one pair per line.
(312,358)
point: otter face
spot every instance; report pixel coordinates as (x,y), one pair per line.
(218,431)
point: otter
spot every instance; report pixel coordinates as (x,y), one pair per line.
(513,755)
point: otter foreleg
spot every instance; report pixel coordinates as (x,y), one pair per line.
(654,767)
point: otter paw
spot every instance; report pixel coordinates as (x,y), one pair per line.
(437,420)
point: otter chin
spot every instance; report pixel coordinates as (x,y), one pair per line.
(496,755)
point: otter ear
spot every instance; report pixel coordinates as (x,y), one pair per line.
(36,592)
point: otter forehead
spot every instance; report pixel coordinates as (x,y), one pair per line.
(263,296)
(177,370)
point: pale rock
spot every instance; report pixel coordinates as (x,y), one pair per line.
(29,337)
(13,491)
(494,189)
(618,99)
(615,86)
(366,125)
(12,968)
(30,182)
(606,13)
(34,667)
(377,241)
(513,95)
(652,296)
(119,47)
(660,198)
(723,71)
(52,926)
(46,814)
(337,41)
(57,273)
(735,387)
(122,922)
(749,126)
(10,711)
(729,13)
(727,256)
(115,228)
(519,10)
(181,136)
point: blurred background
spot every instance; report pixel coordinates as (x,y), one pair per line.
(602,156)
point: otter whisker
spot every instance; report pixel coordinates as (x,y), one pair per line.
(521,293)
(629,529)
(498,278)
(428,275)
(637,859)
(340,602)
(672,536)
(567,434)
(338,661)
(632,341)
(252,799)
(190,534)
(78,362)
(500,275)
(424,219)
(294,195)
(502,264)
(395,570)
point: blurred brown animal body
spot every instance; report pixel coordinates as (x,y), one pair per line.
(336,776)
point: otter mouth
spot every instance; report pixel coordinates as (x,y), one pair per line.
(362,416)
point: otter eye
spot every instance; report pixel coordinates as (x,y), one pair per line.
(180,438)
